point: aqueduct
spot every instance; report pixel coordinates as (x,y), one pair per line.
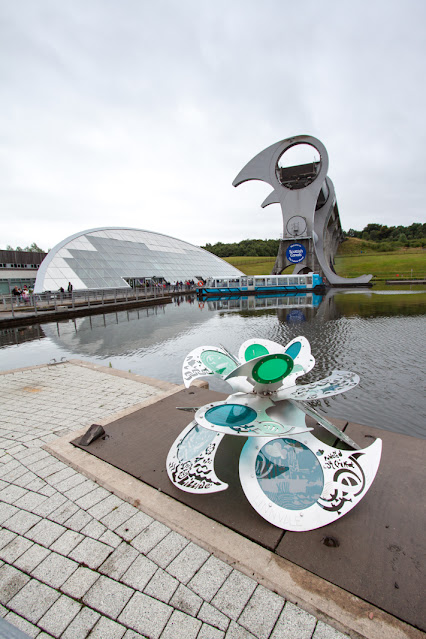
(311,224)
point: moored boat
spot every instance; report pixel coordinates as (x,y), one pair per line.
(256,284)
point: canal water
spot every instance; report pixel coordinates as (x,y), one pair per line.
(378,334)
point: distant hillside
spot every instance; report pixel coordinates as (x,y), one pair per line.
(374,237)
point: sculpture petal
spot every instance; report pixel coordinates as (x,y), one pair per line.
(190,462)
(206,361)
(298,483)
(337,382)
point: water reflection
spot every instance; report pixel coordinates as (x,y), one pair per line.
(374,334)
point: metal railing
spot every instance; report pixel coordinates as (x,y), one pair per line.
(62,301)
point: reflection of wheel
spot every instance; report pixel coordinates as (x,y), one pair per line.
(201,305)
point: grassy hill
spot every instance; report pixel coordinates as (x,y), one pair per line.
(354,257)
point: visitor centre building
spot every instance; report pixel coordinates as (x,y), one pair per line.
(106,258)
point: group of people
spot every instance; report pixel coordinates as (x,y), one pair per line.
(22,293)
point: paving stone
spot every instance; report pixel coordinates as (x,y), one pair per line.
(63,476)
(59,616)
(12,494)
(31,558)
(6,511)
(47,490)
(38,485)
(210,615)
(324,631)
(234,594)
(295,623)
(108,596)
(139,573)
(188,562)
(79,583)
(145,615)
(238,632)
(22,624)
(11,582)
(107,629)
(93,529)
(209,632)
(105,507)
(54,570)
(78,521)
(80,490)
(131,634)
(66,542)
(162,586)
(49,505)
(30,501)
(261,612)
(92,498)
(64,512)
(150,536)
(6,537)
(181,626)
(168,548)
(119,561)
(33,600)
(21,522)
(3,611)
(90,552)
(15,549)
(13,474)
(119,515)
(186,601)
(82,624)
(23,480)
(110,538)
(211,576)
(49,469)
(133,526)
(45,532)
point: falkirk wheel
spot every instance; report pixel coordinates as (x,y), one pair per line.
(311,223)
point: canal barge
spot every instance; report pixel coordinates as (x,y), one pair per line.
(258,284)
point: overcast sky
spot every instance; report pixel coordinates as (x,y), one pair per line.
(140,114)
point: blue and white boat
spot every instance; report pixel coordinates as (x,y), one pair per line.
(257,284)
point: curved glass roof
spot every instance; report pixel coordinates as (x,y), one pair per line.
(107,257)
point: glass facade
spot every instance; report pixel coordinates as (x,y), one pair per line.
(106,258)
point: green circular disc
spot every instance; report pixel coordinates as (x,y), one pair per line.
(272,368)
(255,350)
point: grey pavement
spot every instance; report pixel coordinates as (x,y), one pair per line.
(77,561)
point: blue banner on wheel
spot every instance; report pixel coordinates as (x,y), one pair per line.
(296,253)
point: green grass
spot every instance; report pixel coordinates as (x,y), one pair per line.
(383,265)
(405,263)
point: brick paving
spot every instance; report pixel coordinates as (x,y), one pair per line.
(76,561)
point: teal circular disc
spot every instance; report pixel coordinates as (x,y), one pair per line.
(230,415)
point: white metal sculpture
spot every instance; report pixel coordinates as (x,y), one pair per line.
(290,477)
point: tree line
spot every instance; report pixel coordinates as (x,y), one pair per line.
(33,248)
(383,233)
(384,238)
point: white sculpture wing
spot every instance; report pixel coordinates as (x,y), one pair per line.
(337,382)
(190,462)
(298,483)
(207,361)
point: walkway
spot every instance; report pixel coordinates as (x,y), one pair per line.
(78,561)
